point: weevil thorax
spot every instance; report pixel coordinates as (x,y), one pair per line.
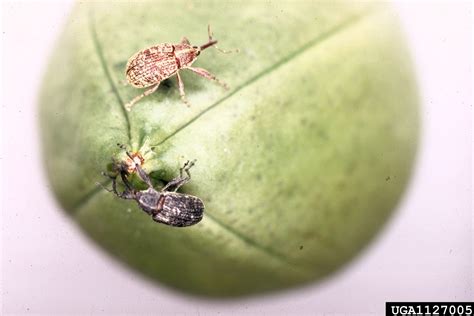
(186,54)
(148,200)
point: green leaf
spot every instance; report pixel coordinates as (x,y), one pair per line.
(299,164)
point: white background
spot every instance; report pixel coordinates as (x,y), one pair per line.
(424,254)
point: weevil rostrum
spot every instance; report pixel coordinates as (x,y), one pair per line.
(150,66)
(165,206)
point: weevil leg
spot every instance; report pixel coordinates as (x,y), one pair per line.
(129,105)
(126,194)
(206,74)
(105,188)
(141,173)
(123,176)
(114,184)
(181,90)
(185,168)
(177,182)
(121,168)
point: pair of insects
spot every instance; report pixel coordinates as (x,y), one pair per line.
(150,66)
(146,69)
(165,206)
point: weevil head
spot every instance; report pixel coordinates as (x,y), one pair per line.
(148,200)
(197,50)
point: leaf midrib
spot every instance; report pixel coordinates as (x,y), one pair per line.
(103,64)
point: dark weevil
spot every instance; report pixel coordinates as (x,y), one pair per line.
(165,206)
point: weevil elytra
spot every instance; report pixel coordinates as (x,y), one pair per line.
(148,67)
(165,206)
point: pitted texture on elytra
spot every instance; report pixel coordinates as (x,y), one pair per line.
(179,209)
(152,65)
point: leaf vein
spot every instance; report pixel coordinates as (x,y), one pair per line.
(266,250)
(103,63)
(319,39)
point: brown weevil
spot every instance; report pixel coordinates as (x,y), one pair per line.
(165,206)
(148,67)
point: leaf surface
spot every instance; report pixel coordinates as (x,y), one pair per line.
(299,163)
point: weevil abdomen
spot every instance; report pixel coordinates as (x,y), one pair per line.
(178,209)
(151,65)
(154,64)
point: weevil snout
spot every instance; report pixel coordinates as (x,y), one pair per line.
(208,44)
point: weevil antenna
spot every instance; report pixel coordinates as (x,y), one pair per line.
(127,194)
(122,146)
(213,42)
